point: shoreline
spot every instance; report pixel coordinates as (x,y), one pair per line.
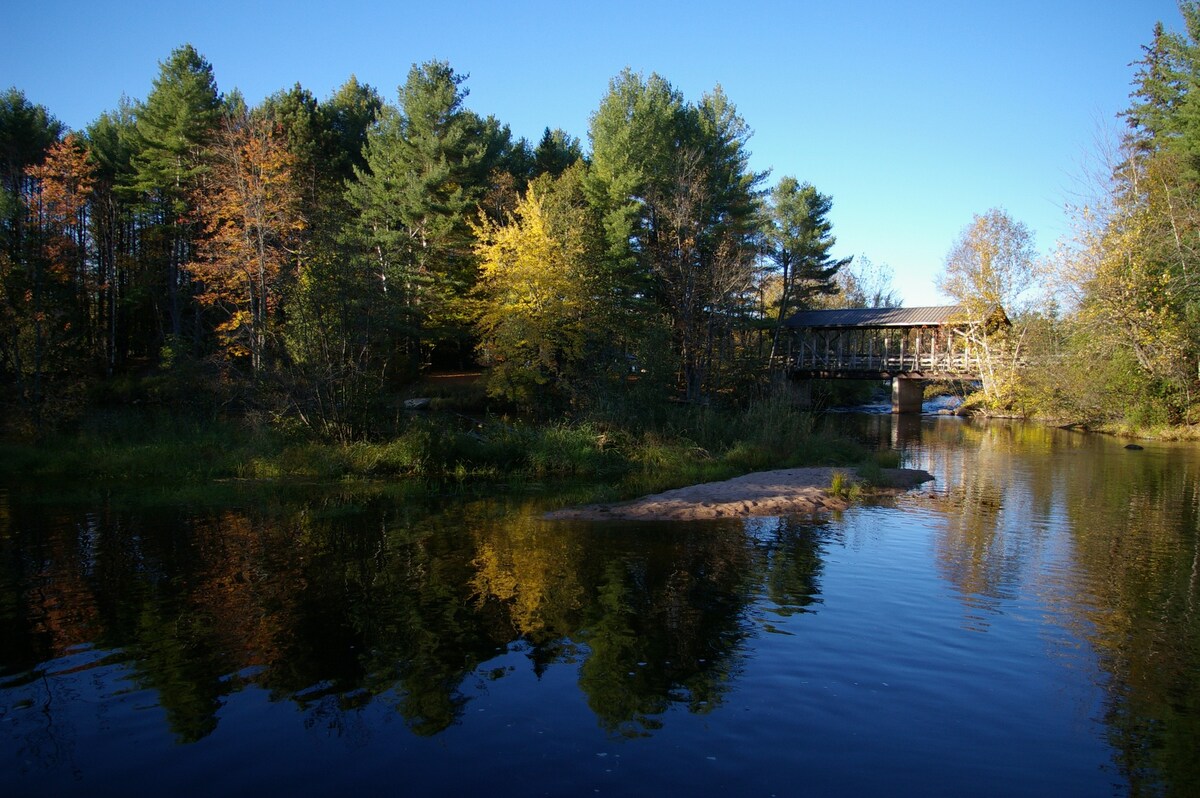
(781,492)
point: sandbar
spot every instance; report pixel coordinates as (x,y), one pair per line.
(786,491)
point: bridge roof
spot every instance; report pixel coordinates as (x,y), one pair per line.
(939,316)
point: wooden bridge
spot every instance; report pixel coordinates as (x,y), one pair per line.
(905,345)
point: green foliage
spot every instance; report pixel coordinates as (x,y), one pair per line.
(174,126)
(26,133)
(417,236)
(428,165)
(797,238)
(679,207)
(1131,353)
(556,152)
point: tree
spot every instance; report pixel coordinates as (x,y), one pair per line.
(864,284)
(348,115)
(679,207)
(991,263)
(46,296)
(249,204)
(556,151)
(797,240)
(175,126)
(537,293)
(987,271)
(428,164)
(1131,274)
(26,132)
(340,333)
(115,234)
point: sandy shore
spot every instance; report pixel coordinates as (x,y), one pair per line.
(783,492)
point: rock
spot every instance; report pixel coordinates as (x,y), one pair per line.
(1133,447)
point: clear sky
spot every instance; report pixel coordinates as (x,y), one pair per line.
(913,115)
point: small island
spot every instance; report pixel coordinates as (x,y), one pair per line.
(782,492)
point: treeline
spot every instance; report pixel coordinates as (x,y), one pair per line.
(1134,269)
(1112,339)
(312,258)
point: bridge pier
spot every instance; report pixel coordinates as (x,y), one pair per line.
(907,395)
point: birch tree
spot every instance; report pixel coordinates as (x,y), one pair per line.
(987,271)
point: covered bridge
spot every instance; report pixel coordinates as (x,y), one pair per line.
(905,345)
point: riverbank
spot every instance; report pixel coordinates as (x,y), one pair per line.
(621,459)
(781,492)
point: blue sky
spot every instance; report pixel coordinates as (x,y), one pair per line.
(913,116)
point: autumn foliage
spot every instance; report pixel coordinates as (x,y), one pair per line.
(249,209)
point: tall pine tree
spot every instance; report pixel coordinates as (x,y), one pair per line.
(175,126)
(428,165)
(797,239)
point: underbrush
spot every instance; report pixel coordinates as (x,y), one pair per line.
(683,445)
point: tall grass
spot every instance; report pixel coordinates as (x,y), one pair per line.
(676,445)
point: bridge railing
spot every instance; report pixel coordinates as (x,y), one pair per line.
(949,363)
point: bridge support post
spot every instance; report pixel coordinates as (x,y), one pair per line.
(907,395)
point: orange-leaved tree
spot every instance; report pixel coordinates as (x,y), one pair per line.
(46,291)
(249,208)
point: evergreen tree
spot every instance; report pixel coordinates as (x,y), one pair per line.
(347,116)
(428,165)
(175,126)
(111,143)
(680,209)
(797,240)
(556,151)
(26,132)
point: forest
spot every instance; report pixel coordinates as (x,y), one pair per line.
(304,266)
(314,258)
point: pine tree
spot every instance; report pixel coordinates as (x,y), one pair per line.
(797,239)
(680,206)
(175,126)
(26,132)
(556,151)
(428,166)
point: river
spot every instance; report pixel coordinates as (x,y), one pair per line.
(1026,625)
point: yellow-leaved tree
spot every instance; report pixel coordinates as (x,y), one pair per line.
(537,303)
(987,271)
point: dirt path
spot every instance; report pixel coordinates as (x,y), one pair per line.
(783,492)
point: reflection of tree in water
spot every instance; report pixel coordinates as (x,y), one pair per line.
(532,571)
(409,602)
(1135,521)
(995,490)
(665,625)
(660,616)
(334,606)
(1131,527)
(791,559)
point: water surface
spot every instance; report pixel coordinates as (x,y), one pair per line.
(1027,627)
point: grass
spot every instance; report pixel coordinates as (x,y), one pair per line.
(682,445)
(844,486)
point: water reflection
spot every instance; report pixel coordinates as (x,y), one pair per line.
(1108,538)
(332,607)
(340,605)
